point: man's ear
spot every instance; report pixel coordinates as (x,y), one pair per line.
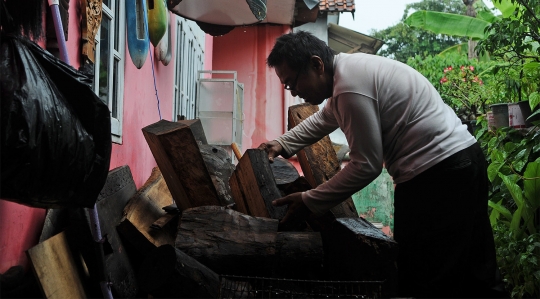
(317,64)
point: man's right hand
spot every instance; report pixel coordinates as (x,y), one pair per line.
(272,148)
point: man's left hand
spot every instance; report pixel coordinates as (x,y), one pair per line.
(297,211)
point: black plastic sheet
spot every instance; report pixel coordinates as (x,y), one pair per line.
(55,132)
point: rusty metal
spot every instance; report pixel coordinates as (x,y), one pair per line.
(260,287)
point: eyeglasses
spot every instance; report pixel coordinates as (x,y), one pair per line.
(293,85)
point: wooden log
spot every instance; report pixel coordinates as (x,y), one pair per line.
(357,250)
(253,186)
(145,208)
(167,272)
(220,167)
(178,157)
(299,255)
(319,161)
(164,221)
(284,172)
(55,268)
(232,243)
(118,189)
(196,128)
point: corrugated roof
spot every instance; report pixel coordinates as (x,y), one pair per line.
(336,5)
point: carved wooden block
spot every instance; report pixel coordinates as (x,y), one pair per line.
(179,158)
(91,22)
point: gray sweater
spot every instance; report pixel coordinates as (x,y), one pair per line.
(390,115)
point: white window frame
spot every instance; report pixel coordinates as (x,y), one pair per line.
(115,55)
(189,59)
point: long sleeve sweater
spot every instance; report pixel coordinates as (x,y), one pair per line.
(390,114)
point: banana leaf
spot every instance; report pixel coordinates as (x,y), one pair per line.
(506,7)
(449,24)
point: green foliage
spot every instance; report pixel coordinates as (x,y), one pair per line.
(520,259)
(514,41)
(403,42)
(514,198)
(515,36)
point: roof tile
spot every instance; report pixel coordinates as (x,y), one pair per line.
(336,5)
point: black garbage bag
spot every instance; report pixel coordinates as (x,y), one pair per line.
(55,132)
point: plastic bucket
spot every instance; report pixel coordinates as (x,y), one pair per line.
(518,113)
(500,115)
(490,119)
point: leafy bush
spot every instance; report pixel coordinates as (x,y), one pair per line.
(514,198)
(464,91)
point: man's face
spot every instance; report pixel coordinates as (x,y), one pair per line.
(308,83)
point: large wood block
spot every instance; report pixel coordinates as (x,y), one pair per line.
(142,210)
(253,186)
(357,250)
(178,157)
(118,189)
(55,268)
(229,242)
(167,272)
(319,161)
(196,128)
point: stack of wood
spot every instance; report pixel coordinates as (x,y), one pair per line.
(199,217)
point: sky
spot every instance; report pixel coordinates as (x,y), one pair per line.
(377,14)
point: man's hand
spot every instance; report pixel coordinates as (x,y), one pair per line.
(297,212)
(273,148)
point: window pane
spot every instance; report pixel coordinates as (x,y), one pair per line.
(107,3)
(116,14)
(104,66)
(114,108)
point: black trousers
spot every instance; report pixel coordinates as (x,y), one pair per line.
(441,224)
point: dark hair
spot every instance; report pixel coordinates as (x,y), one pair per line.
(296,49)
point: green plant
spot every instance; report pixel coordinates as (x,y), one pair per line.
(463,90)
(520,257)
(514,198)
(514,40)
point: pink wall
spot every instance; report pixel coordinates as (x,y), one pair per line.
(141,110)
(244,50)
(20,226)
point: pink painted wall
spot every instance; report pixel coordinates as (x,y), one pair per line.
(244,50)
(141,110)
(20,226)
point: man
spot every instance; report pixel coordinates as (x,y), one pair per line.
(391,114)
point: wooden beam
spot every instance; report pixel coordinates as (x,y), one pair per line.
(167,272)
(370,254)
(55,268)
(142,210)
(178,157)
(319,161)
(196,128)
(253,186)
(116,192)
(229,242)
